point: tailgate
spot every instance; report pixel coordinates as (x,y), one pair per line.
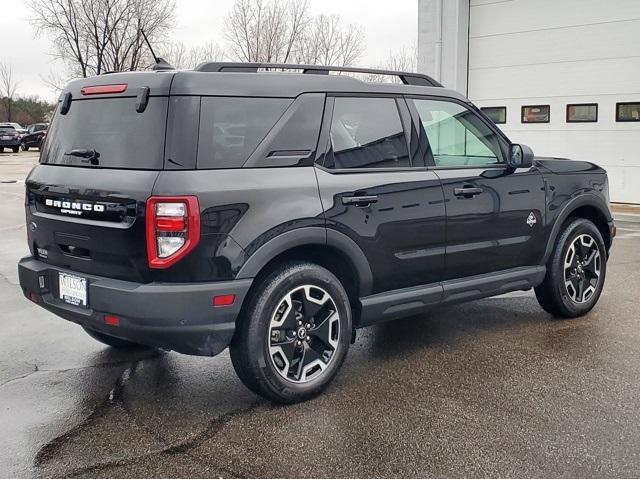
(85,201)
(90,221)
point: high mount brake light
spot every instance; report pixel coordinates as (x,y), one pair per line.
(103,89)
(173,229)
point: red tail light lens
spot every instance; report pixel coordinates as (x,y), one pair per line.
(173,229)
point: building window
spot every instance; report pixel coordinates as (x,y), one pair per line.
(498,114)
(582,113)
(629,111)
(536,114)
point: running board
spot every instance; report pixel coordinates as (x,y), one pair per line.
(417,299)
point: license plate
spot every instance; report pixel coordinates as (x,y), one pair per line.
(73,289)
(5,138)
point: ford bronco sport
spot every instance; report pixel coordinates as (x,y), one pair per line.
(275,212)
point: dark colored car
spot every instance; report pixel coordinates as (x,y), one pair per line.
(34,136)
(9,138)
(276,213)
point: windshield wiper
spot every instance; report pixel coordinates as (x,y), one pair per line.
(90,155)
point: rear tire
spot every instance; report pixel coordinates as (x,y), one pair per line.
(576,271)
(15,149)
(116,343)
(294,333)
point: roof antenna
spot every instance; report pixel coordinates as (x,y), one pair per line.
(161,63)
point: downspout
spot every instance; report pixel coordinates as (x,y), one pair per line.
(438,42)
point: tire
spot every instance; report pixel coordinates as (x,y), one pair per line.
(15,149)
(289,344)
(1,149)
(114,342)
(24,147)
(572,285)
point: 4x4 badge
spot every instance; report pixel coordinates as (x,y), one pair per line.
(531,220)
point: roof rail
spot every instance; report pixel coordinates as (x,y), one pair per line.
(406,77)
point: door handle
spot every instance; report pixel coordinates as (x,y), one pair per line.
(467,191)
(359,201)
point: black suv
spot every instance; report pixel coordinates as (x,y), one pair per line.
(273,212)
(36,133)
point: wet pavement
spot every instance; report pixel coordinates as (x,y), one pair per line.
(491,388)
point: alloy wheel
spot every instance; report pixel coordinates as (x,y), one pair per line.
(304,334)
(582,265)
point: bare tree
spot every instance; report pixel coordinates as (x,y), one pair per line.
(180,56)
(328,42)
(402,60)
(265,31)
(95,36)
(8,87)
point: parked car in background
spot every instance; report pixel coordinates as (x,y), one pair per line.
(34,137)
(10,137)
(17,126)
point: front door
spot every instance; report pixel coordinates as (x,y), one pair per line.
(494,213)
(374,191)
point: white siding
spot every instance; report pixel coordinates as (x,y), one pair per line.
(537,52)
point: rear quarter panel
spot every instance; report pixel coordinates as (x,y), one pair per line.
(241,210)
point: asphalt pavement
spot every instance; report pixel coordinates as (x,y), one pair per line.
(493,388)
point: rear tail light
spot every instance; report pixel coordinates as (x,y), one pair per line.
(173,229)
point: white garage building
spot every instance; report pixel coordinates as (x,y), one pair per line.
(562,76)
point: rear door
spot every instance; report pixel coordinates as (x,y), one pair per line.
(494,213)
(85,201)
(375,189)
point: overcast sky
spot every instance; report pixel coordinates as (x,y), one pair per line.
(387,25)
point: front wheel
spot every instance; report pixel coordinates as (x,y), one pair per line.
(294,334)
(575,272)
(24,147)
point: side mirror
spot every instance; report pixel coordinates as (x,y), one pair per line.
(521,157)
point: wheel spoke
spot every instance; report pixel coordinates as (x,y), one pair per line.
(312,305)
(322,331)
(580,290)
(294,315)
(289,351)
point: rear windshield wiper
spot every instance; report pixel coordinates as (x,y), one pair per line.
(90,155)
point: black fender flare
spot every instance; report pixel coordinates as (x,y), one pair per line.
(313,235)
(588,199)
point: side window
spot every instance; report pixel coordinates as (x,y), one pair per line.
(232,127)
(367,133)
(457,136)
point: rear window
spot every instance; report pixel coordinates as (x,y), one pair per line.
(7,129)
(122,137)
(232,127)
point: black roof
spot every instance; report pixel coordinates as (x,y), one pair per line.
(248,80)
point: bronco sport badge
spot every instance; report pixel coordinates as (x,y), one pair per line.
(531,220)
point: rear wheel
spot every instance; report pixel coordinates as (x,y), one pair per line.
(294,334)
(575,272)
(15,149)
(116,343)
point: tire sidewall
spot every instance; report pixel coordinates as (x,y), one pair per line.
(572,231)
(258,335)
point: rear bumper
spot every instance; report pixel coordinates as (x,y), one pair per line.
(172,316)
(9,143)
